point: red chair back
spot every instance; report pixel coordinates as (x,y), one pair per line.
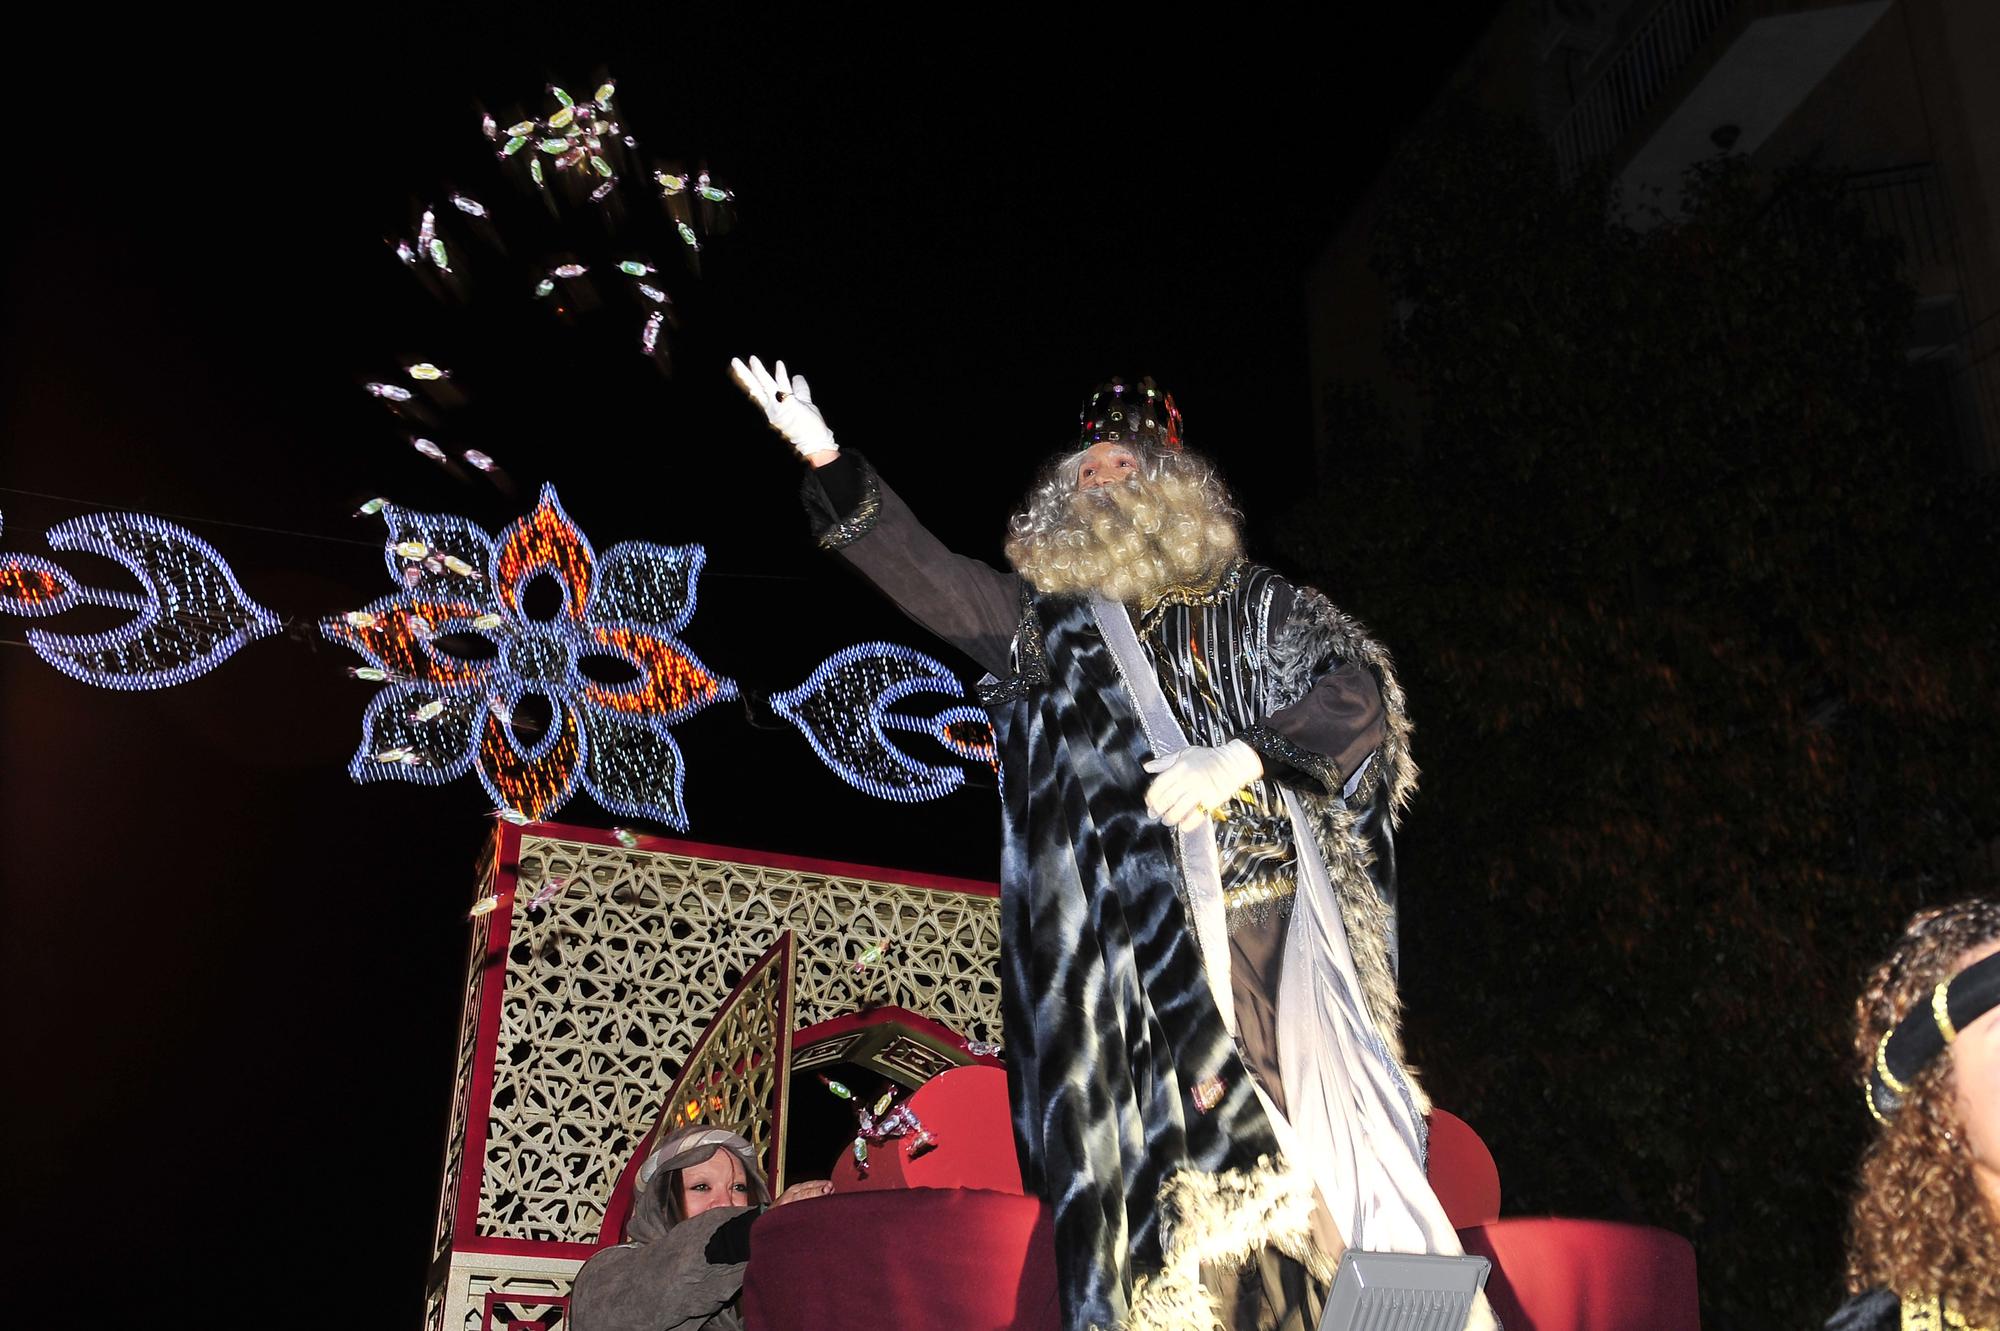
(1462,1172)
(965,1108)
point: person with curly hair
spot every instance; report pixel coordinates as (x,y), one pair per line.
(1924,1232)
(1201,767)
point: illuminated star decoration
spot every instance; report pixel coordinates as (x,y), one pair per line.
(843,710)
(443,714)
(190,615)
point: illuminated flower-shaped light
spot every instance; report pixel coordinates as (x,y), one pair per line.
(846,711)
(190,614)
(446,711)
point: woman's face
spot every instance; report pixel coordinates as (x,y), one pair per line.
(1975,1070)
(716,1181)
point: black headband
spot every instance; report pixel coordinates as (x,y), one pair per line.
(1907,1049)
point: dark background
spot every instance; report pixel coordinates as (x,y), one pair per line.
(231,972)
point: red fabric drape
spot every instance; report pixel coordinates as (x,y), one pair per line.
(916,1259)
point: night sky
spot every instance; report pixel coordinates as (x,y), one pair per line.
(231,973)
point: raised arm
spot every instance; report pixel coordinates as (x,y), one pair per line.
(971,605)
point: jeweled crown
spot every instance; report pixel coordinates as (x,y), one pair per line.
(1138,414)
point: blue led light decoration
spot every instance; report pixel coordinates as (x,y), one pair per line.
(190,615)
(843,710)
(445,714)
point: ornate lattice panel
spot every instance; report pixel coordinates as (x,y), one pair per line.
(603,965)
(502,1294)
(735,1078)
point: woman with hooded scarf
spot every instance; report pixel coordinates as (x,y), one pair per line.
(687,1239)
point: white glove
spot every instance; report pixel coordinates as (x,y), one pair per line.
(788,405)
(1199,779)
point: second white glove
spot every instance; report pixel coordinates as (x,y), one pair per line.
(1198,780)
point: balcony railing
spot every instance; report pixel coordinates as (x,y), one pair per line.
(1908,202)
(1619,97)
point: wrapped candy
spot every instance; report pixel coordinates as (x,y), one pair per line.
(483,906)
(371,508)
(429,450)
(625,838)
(393,392)
(426,372)
(412,549)
(479,460)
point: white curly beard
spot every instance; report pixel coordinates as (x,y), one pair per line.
(1129,541)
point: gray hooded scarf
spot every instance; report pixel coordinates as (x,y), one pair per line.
(660,1278)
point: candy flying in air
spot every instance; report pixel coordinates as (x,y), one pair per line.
(471,207)
(570,269)
(412,549)
(460,567)
(480,460)
(434,707)
(361,619)
(393,392)
(625,837)
(429,449)
(371,508)
(427,372)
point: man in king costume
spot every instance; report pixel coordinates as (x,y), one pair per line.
(1201,768)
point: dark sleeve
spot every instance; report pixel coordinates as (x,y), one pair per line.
(731,1240)
(1877,1310)
(972,606)
(1321,740)
(665,1285)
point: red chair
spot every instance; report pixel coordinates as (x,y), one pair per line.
(966,1110)
(1551,1274)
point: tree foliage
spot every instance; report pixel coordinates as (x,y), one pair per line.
(1695,611)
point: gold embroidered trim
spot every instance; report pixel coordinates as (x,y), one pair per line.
(1207,591)
(1941,1011)
(1930,1314)
(1882,1065)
